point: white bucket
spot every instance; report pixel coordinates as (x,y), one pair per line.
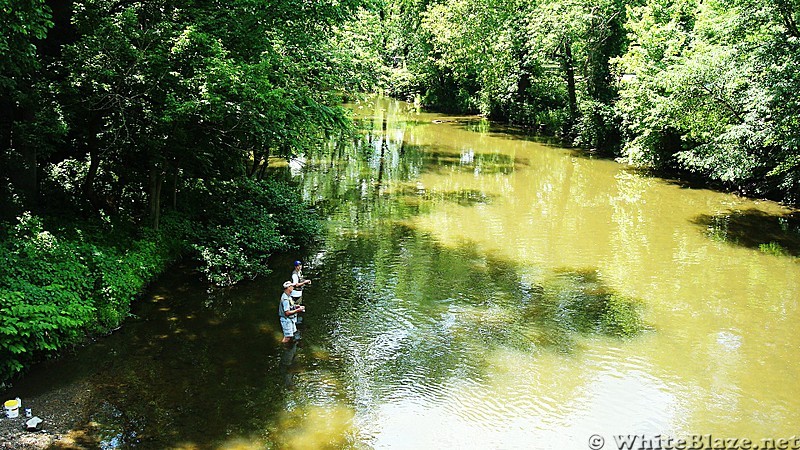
(12,408)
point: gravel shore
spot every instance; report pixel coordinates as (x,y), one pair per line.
(61,411)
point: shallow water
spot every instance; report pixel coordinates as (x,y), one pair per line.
(459,301)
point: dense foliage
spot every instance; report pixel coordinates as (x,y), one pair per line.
(61,282)
(705,87)
(120,104)
(57,287)
(239,224)
(133,132)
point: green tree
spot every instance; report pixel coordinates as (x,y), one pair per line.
(711,92)
(23,24)
(543,64)
(158,92)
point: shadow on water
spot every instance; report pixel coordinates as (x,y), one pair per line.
(578,301)
(426,158)
(772,234)
(454,298)
(507,131)
(194,366)
(434,302)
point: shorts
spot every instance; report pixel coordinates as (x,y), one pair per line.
(297,300)
(289,328)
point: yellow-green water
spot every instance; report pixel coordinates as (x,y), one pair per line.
(451,308)
(721,353)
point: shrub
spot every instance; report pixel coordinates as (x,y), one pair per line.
(773,248)
(242,222)
(57,287)
(597,128)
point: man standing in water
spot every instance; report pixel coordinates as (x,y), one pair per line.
(287,311)
(298,281)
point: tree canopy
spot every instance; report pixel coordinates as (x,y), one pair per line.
(704,87)
(124,98)
(112,98)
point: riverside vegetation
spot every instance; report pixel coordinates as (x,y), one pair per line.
(63,282)
(135,132)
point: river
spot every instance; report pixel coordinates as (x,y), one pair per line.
(477,288)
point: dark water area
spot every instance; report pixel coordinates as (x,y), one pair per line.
(195,365)
(475,289)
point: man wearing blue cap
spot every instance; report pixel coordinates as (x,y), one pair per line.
(298,282)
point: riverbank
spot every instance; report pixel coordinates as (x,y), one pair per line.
(61,411)
(64,278)
(61,283)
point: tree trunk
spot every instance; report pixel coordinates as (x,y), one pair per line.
(175,175)
(156,181)
(569,73)
(88,182)
(94,158)
(23,167)
(6,116)
(263,169)
(251,171)
(787,13)
(157,220)
(264,159)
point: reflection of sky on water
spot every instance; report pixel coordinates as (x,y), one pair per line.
(626,404)
(468,415)
(296,165)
